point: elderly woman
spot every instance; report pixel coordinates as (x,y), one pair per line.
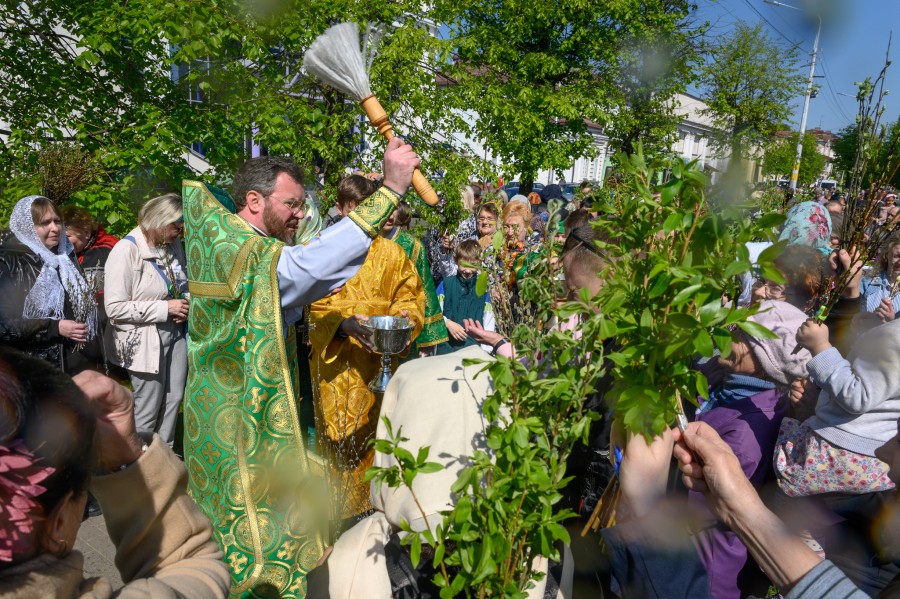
(507,267)
(521,244)
(42,289)
(147,304)
(55,433)
(92,247)
(488,216)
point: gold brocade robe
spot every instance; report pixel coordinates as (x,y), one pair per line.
(346,410)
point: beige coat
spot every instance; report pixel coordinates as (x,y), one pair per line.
(135,296)
(164,543)
(437,402)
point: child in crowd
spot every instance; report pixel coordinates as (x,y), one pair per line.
(856,413)
(460,301)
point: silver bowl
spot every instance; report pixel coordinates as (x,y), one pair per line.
(390,336)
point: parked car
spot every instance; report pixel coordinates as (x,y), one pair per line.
(512,188)
(569,190)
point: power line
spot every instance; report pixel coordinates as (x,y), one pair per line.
(837,102)
(769,23)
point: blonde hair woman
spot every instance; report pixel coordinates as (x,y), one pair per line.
(147,304)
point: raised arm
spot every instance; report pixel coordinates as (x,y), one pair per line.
(309,272)
(874,375)
(164,543)
(710,467)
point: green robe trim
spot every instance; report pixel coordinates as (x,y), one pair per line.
(243,448)
(435,331)
(248,468)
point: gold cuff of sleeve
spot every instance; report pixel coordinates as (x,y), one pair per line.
(375,210)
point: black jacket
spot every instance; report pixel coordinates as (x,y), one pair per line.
(19,269)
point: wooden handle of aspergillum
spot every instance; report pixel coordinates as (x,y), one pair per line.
(379,119)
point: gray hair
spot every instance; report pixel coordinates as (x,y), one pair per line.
(159,212)
(259,174)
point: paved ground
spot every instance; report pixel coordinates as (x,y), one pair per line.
(98,551)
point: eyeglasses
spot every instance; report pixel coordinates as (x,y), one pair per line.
(486,220)
(774,291)
(295,206)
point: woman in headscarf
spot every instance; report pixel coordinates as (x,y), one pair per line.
(47,308)
(808,223)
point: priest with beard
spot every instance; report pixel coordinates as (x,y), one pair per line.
(249,469)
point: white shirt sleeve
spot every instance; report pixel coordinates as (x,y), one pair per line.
(309,272)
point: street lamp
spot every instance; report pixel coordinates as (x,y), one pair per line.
(795,174)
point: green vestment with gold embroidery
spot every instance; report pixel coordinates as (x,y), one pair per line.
(435,331)
(248,468)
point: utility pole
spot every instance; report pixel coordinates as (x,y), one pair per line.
(795,173)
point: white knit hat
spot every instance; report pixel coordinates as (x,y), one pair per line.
(776,356)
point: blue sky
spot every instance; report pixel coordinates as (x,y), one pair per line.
(852,47)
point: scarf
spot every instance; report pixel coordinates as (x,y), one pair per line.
(808,223)
(58,277)
(735,387)
(310,225)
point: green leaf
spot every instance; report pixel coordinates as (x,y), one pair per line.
(415,550)
(429,467)
(722,338)
(770,220)
(684,321)
(497,240)
(686,294)
(481,283)
(703,344)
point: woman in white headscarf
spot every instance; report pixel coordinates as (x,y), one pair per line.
(42,289)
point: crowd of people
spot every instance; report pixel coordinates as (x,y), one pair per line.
(193,334)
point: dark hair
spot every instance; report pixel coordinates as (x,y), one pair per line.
(476,190)
(404,215)
(76,217)
(46,410)
(576,219)
(468,251)
(259,174)
(354,188)
(39,206)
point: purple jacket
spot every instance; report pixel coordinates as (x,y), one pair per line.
(750,427)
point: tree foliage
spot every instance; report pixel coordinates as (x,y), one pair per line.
(749,82)
(534,75)
(845,147)
(139,83)
(779,158)
(657,60)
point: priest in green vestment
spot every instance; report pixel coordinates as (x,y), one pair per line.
(434,331)
(248,468)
